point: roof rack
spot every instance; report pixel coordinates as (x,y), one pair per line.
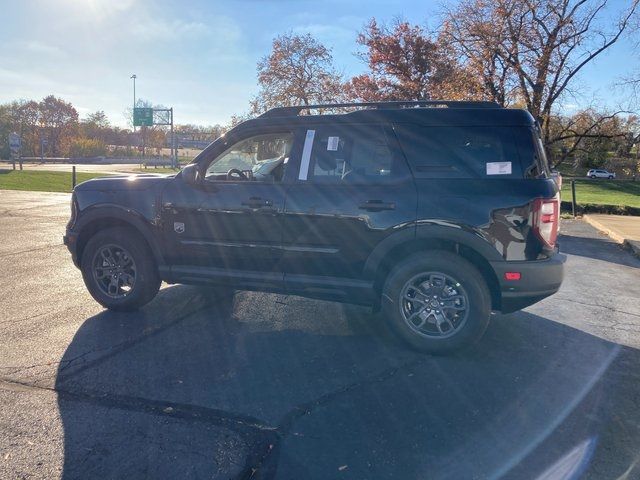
(295,110)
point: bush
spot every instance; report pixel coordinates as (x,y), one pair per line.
(86,147)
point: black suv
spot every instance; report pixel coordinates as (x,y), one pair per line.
(437,213)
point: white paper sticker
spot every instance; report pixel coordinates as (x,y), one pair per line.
(332,144)
(499,168)
(306,155)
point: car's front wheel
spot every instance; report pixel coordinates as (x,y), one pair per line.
(593,176)
(119,270)
(436,301)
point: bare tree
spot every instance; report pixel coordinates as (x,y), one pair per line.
(588,131)
(474,30)
(531,51)
(299,70)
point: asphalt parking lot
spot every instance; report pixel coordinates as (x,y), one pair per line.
(200,385)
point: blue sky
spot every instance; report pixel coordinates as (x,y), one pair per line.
(199,56)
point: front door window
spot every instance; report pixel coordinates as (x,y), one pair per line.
(261,158)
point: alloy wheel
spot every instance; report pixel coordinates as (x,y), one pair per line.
(114,271)
(434,304)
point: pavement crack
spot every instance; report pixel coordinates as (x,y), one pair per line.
(51,245)
(29,317)
(65,364)
(265,467)
(185,411)
(257,435)
(129,343)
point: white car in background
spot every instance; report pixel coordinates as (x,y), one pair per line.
(599,173)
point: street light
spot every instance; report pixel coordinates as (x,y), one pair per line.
(134,97)
(134,76)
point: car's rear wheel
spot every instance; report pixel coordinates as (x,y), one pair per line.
(437,302)
(119,270)
(610,177)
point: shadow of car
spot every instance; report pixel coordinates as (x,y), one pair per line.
(266,386)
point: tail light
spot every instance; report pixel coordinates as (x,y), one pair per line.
(546,216)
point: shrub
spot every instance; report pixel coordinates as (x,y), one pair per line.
(86,147)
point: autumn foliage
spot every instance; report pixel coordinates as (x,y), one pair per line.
(406,63)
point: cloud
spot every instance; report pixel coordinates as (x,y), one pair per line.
(39,48)
(158,29)
(337,31)
(97,9)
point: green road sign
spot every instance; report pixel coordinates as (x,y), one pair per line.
(142,117)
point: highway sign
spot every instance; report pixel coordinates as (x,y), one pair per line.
(142,117)
(14,142)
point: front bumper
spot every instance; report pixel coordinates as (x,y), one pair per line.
(538,280)
(70,239)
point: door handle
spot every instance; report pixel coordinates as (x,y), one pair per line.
(257,202)
(377,205)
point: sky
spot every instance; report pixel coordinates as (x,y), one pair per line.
(199,57)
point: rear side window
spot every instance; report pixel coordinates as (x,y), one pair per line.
(460,152)
(353,154)
(533,155)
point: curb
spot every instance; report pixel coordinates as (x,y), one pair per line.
(632,245)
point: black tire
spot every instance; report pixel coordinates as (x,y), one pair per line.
(610,177)
(466,278)
(593,176)
(147,281)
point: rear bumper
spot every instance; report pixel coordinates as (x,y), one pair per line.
(538,280)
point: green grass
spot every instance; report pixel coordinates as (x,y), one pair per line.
(40,181)
(603,192)
(596,192)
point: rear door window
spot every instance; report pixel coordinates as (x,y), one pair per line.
(460,152)
(355,154)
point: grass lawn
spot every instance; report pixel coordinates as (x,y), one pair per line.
(603,192)
(597,192)
(39,181)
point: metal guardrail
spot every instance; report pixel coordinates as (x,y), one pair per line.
(95,160)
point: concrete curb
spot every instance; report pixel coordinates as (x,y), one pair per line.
(632,245)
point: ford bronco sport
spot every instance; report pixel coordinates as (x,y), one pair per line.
(436,213)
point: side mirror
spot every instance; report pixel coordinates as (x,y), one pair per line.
(190,174)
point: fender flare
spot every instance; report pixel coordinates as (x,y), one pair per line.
(135,219)
(448,232)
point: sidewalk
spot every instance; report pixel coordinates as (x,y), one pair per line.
(622,228)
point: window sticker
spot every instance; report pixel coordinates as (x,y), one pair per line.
(332,144)
(499,168)
(306,155)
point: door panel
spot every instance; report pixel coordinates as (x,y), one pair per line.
(231,220)
(225,225)
(358,191)
(329,231)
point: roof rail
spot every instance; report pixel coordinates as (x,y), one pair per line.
(295,110)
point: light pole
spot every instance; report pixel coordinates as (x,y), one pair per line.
(134,76)
(134,97)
